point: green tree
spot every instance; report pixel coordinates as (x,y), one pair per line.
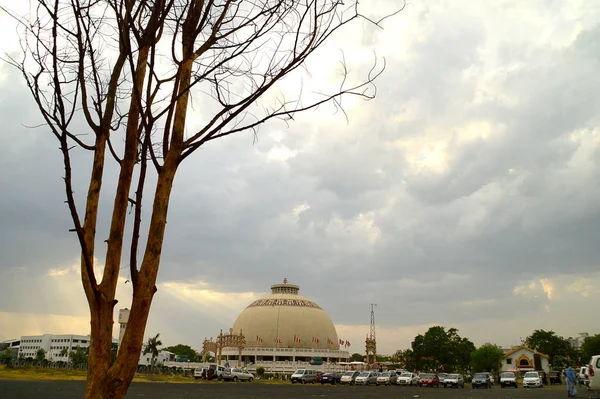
(439,349)
(6,355)
(79,355)
(590,347)
(487,357)
(548,343)
(357,357)
(558,362)
(260,371)
(111,94)
(152,347)
(183,350)
(40,355)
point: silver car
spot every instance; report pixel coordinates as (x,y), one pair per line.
(235,374)
(366,378)
(454,380)
(387,378)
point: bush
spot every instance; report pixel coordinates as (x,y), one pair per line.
(260,371)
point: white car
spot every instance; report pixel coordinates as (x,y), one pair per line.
(407,378)
(508,379)
(349,377)
(594,373)
(454,380)
(532,379)
(237,375)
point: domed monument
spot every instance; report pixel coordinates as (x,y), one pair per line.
(285,327)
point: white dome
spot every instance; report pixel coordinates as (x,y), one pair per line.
(276,320)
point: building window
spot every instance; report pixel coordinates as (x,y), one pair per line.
(508,361)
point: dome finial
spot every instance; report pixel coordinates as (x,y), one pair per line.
(284,280)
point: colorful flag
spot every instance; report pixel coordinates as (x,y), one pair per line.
(277,341)
(341,342)
(347,343)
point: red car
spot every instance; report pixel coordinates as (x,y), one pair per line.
(429,380)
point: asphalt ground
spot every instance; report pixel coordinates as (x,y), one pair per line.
(12,389)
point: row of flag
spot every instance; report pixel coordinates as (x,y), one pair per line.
(314,339)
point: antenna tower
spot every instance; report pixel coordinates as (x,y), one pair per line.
(371,342)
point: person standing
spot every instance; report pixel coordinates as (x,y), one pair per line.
(571,382)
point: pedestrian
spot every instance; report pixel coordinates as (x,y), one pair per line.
(571,382)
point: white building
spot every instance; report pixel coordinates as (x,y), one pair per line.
(523,359)
(54,345)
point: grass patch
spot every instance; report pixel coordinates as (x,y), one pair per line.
(38,373)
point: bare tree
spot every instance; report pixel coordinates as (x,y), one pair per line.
(117,78)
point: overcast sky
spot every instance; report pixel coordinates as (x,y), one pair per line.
(465,195)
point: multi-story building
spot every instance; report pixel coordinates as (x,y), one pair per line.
(57,346)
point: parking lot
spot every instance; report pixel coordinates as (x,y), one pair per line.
(75,389)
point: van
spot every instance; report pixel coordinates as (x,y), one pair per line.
(303,376)
(217,371)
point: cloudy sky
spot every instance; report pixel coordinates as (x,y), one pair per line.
(466,194)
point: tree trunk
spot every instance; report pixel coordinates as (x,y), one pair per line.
(111,382)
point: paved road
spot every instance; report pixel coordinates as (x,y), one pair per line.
(75,389)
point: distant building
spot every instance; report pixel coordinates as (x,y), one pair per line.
(523,359)
(578,341)
(53,344)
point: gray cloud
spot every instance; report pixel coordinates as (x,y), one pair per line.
(473,172)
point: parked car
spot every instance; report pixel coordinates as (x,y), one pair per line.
(429,380)
(407,378)
(583,377)
(481,380)
(366,378)
(508,379)
(349,377)
(554,377)
(491,377)
(454,380)
(593,373)
(304,376)
(387,378)
(330,378)
(532,379)
(235,374)
(442,376)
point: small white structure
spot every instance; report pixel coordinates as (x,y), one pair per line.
(523,359)
(163,356)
